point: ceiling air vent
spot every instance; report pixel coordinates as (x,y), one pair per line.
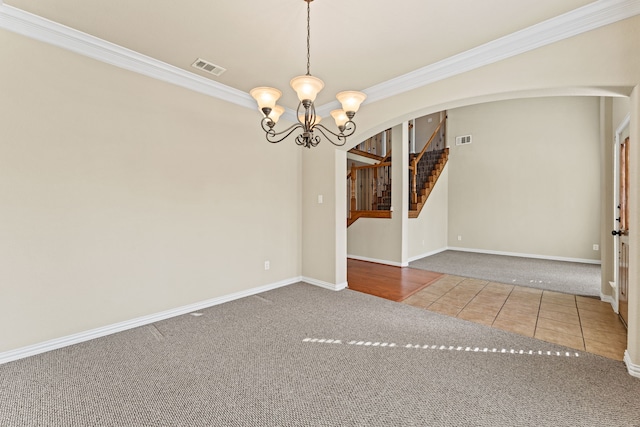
(208,67)
(463,140)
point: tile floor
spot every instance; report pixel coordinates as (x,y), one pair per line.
(582,323)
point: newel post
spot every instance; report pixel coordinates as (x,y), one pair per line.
(414,185)
(353,187)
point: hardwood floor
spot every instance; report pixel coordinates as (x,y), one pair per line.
(385,281)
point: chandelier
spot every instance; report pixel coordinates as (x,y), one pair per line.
(307,88)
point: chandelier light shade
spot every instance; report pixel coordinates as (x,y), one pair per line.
(307,88)
(266,97)
(276,113)
(351,100)
(340,118)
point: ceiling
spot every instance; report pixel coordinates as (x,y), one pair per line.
(355,44)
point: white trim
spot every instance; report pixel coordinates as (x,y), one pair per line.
(610,300)
(616,196)
(623,125)
(379,261)
(325,285)
(520,255)
(575,22)
(68,340)
(417,257)
(632,368)
(583,19)
(613,298)
(44,30)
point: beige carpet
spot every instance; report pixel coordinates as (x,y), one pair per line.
(305,356)
(560,276)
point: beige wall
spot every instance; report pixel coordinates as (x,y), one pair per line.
(121,196)
(620,108)
(529,183)
(428,232)
(424,129)
(324,175)
(384,239)
(143,226)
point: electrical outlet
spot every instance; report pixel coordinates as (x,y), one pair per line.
(459,238)
(596,247)
(267,265)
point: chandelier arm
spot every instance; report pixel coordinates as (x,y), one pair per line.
(350,128)
(309,114)
(342,139)
(274,137)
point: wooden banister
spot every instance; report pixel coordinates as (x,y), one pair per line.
(424,149)
(377,165)
(354,176)
(387,157)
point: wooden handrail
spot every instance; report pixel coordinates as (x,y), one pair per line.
(365,154)
(424,149)
(386,157)
(378,165)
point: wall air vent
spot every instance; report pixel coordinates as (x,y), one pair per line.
(463,140)
(208,67)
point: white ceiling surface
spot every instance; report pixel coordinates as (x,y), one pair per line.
(355,44)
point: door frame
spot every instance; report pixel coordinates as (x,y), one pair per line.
(616,202)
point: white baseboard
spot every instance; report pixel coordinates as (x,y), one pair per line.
(379,261)
(610,299)
(632,368)
(325,285)
(606,298)
(424,255)
(479,251)
(520,255)
(68,340)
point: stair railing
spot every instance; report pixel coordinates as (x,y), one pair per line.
(370,189)
(376,147)
(413,168)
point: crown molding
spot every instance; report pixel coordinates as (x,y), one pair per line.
(573,23)
(578,21)
(44,30)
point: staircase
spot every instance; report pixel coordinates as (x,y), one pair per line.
(369,185)
(369,190)
(430,168)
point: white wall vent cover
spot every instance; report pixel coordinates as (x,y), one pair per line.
(208,67)
(463,140)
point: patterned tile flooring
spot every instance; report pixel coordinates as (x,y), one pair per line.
(582,323)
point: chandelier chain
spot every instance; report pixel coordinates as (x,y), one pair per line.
(308,37)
